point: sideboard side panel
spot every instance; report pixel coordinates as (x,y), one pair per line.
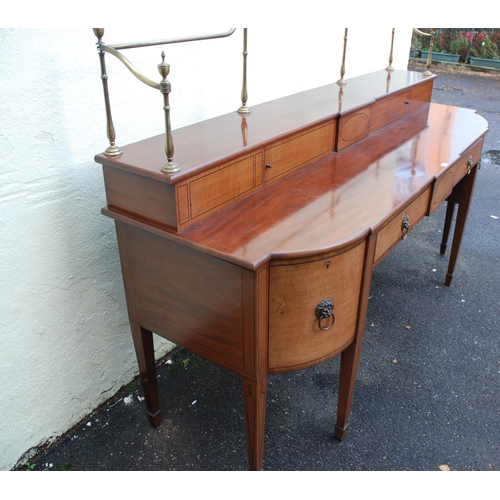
(126,191)
(186,296)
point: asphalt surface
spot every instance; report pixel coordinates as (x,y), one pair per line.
(427,395)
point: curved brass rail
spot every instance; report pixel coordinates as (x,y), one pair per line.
(163,86)
(423,32)
(110,50)
(133,45)
(115,48)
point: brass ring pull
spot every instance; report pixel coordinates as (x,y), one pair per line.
(405,226)
(470,164)
(324,312)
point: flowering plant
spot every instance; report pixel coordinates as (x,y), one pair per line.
(485,46)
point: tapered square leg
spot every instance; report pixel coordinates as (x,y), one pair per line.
(254,393)
(348,369)
(450,208)
(349,359)
(144,348)
(461,195)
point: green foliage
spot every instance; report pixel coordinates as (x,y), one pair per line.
(478,42)
(459,45)
(485,47)
(64,467)
(131,388)
(184,363)
(416,43)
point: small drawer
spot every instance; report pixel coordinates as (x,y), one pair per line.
(298,337)
(452,175)
(215,189)
(398,227)
(388,109)
(354,126)
(298,150)
(420,95)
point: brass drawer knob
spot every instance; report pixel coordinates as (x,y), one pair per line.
(405,226)
(324,313)
(469,165)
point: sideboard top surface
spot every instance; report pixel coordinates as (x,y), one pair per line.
(204,144)
(339,197)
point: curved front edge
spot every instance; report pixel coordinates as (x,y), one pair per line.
(299,335)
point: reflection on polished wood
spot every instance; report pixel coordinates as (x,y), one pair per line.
(231,256)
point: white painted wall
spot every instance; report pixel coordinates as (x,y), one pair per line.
(66,344)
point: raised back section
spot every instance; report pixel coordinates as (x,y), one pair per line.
(229,157)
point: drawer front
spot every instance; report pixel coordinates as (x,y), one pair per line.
(388,109)
(223,185)
(298,150)
(397,229)
(215,189)
(296,337)
(448,179)
(354,126)
(420,95)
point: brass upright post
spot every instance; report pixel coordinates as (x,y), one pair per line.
(390,68)
(112,150)
(165,88)
(244,93)
(342,68)
(427,72)
(430,35)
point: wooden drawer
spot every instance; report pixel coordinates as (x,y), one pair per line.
(212,190)
(450,177)
(296,288)
(420,95)
(388,109)
(354,126)
(298,150)
(393,232)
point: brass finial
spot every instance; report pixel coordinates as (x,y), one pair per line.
(99,33)
(163,67)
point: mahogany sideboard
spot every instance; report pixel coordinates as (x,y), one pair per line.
(258,254)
